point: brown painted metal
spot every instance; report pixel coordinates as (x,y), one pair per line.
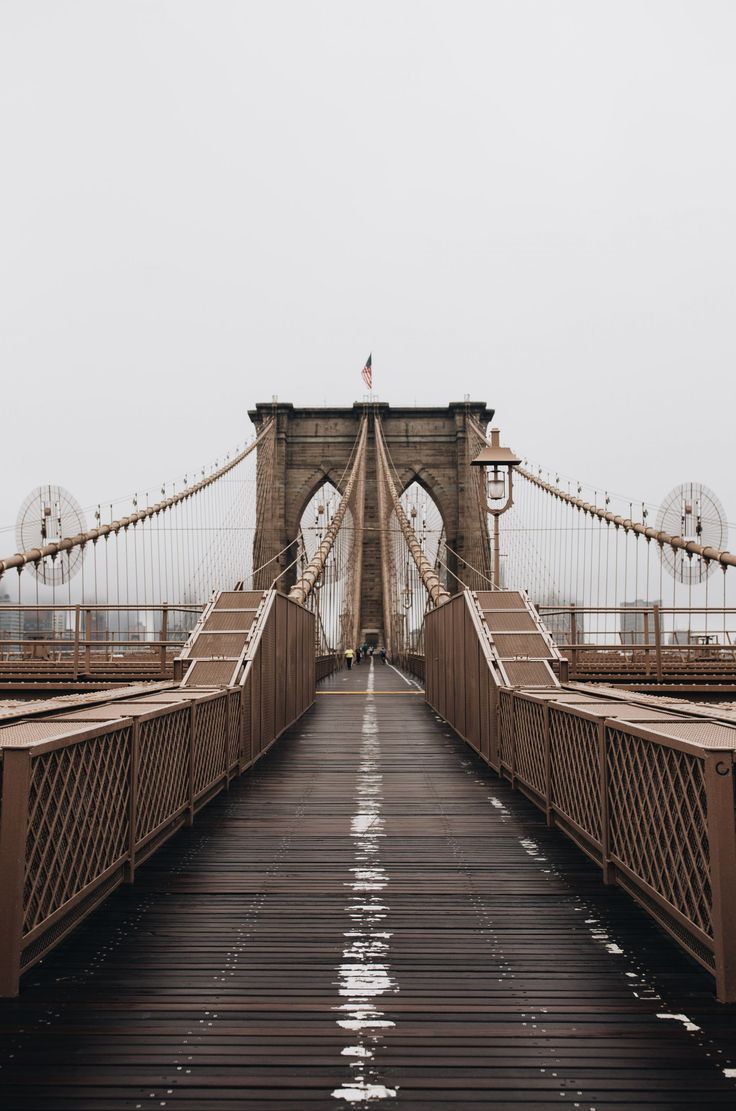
(88,795)
(86,656)
(215,982)
(13,829)
(646,791)
(649,662)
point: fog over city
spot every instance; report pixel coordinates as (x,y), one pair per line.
(204,205)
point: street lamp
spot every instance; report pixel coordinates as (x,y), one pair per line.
(500,462)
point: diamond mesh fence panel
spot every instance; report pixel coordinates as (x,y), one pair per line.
(163,769)
(575,769)
(233,728)
(506,732)
(209,742)
(658,821)
(529,748)
(77,820)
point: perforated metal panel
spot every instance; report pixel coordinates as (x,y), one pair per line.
(238,599)
(641,713)
(501,600)
(214,673)
(510,621)
(529,673)
(623,710)
(222,621)
(522,644)
(26,732)
(708,734)
(217,644)
(107,713)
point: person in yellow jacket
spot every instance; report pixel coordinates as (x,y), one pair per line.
(349,657)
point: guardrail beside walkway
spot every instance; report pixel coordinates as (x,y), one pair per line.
(88,795)
(645,790)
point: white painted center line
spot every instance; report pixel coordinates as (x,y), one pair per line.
(365,973)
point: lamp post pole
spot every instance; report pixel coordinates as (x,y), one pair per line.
(497,550)
(501,460)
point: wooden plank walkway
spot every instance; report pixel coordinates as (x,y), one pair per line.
(369,917)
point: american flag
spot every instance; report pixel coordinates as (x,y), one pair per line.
(367,372)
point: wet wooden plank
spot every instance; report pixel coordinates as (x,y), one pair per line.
(370,870)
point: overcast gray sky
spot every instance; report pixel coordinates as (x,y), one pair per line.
(206,203)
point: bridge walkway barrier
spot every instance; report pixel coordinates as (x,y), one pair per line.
(370,917)
(89,794)
(645,789)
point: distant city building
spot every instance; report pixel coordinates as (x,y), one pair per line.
(38,624)
(11,628)
(97,625)
(565,624)
(635,626)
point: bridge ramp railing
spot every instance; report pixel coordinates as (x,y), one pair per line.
(89,794)
(646,791)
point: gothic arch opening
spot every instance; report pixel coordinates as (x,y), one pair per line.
(332,600)
(409,599)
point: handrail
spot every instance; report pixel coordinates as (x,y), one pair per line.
(644,788)
(35,555)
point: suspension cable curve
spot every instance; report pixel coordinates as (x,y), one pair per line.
(678,543)
(304,586)
(429,576)
(35,555)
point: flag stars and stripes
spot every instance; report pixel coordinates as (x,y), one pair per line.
(367,372)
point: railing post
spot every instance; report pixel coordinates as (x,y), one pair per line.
(547,767)
(512,754)
(133,799)
(494,723)
(164,635)
(192,742)
(13,827)
(88,641)
(573,639)
(722,850)
(226,731)
(657,640)
(646,642)
(77,625)
(606,865)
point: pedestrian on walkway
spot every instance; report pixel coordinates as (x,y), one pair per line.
(383,655)
(358,655)
(349,657)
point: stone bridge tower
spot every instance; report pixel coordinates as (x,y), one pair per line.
(427,445)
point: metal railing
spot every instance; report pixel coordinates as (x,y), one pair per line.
(326,665)
(413,662)
(656,812)
(76,641)
(278,679)
(646,791)
(82,809)
(87,796)
(649,642)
